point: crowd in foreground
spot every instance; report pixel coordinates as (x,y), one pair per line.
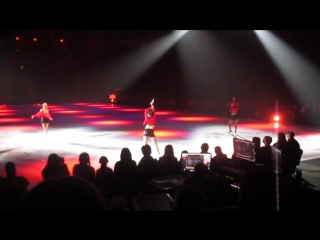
(204,189)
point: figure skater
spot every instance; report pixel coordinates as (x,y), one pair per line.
(45,117)
(234,118)
(150,122)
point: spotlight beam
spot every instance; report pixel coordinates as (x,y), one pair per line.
(301,75)
(126,70)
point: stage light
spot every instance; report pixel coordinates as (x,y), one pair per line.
(35,39)
(61,40)
(17,38)
(276,119)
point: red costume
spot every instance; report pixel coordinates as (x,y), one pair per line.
(41,114)
(147,119)
(234,107)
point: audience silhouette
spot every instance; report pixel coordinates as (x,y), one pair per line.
(147,167)
(219,160)
(281,143)
(12,188)
(189,198)
(67,193)
(256,188)
(11,181)
(257,191)
(126,173)
(266,153)
(205,148)
(105,179)
(168,163)
(83,169)
(55,167)
(182,160)
(291,155)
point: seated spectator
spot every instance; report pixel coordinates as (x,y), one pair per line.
(205,148)
(281,143)
(83,169)
(68,193)
(12,188)
(189,198)
(200,177)
(55,167)
(11,181)
(266,153)
(126,173)
(219,160)
(147,167)
(258,191)
(126,166)
(168,163)
(105,178)
(65,169)
(201,180)
(183,161)
(291,156)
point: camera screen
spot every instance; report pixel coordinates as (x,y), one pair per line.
(244,149)
(189,160)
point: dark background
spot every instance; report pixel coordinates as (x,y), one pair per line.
(74,70)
